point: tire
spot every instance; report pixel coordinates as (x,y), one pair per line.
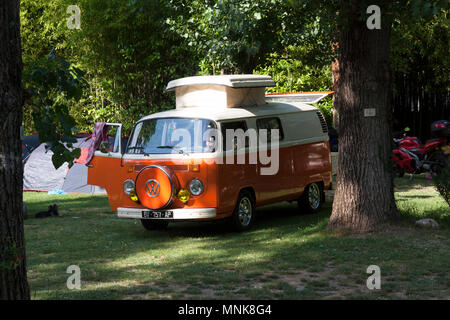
(312,198)
(244,212)
(154,224)
(441,159)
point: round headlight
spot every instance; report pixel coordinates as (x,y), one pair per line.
(196,187)
(128,186)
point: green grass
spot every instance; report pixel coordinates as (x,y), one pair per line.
(285,256)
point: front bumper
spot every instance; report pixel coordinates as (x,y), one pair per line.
(178,214)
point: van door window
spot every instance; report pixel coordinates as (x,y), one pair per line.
(114,139)
(269,124)
(113,131)
(235,125)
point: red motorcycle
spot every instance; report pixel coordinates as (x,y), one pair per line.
(411,156)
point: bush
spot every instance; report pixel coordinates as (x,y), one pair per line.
(441,182)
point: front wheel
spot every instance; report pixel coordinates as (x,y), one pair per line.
(154,224)
(312,198)
(243,214)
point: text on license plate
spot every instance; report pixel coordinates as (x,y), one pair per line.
(446,149)
(157,214)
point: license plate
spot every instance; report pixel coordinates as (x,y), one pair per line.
(446,149)
(157,214)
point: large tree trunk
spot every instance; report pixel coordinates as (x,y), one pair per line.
(364,196)
(13,276)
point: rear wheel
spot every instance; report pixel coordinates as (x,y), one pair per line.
(243,214)
(440,161)
(154,224)
(312,198)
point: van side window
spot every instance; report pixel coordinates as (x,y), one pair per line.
(233,125)
(270,123)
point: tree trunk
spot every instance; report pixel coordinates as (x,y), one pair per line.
(364,196)
(13,276)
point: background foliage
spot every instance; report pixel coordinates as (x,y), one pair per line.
(131,49)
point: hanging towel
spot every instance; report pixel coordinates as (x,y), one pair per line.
(99,135)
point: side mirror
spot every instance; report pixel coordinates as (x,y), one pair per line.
(104,147)
(211,144)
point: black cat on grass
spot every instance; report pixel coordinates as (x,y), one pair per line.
(51,212)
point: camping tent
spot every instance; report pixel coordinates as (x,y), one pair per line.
(29,143)
(39,173)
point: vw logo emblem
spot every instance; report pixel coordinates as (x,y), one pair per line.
(152,188)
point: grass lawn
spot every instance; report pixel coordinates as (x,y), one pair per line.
(285,256)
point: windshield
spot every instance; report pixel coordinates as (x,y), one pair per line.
(173,135)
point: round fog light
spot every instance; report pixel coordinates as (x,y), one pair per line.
(183,195)
(133,196)
(128,186)
(196,187)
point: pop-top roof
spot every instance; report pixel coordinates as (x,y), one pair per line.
(232,81)
(224,91)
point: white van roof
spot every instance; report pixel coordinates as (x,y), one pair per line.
(219,114)
(232,81)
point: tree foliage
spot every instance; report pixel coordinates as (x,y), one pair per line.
(230,35)
(53,84)
(420,48)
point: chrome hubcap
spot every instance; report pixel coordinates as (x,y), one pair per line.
(245,211)
(314,196)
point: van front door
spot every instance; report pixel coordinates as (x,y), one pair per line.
(105,168)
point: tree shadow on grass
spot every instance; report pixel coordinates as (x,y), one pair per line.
(407,184)
(414,197)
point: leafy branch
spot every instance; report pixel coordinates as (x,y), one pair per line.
(52,85)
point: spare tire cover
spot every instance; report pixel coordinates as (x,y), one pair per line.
(156,186)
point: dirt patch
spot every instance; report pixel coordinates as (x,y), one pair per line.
(326,283)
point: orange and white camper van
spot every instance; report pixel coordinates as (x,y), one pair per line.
(223,151)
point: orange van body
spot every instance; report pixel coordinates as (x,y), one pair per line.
(305,164)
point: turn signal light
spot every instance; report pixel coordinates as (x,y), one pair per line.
(183,195)
(194,167)
(133,195)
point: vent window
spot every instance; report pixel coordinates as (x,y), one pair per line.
(323,123)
